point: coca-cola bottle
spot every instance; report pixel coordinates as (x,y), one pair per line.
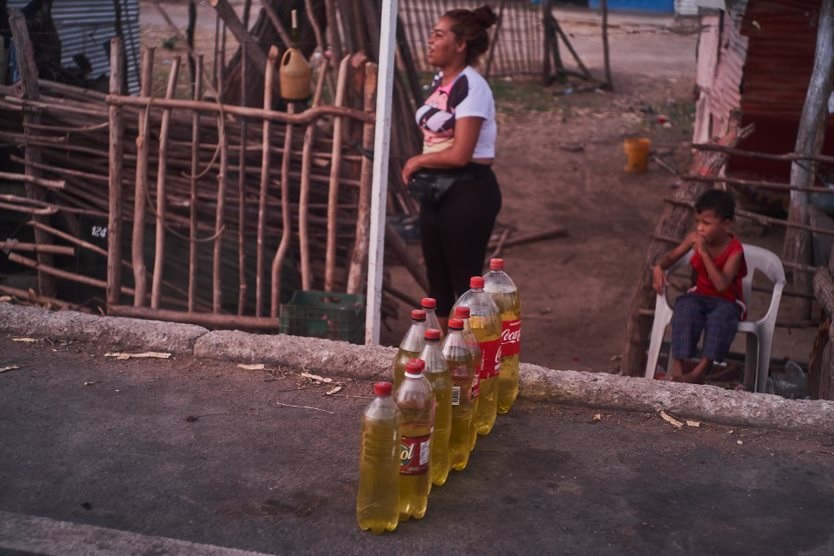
(462,313)
(411,345)
(377,502)
(505,294)
(415,399)
(429,304)
(437,371)
(463,368)
(485,322)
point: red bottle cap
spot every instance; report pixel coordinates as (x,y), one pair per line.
(382,389)
(432,334)
(415,366)
(418,314)
(462,313)
(428,303)
(476,282)
(457,324)
(496,264)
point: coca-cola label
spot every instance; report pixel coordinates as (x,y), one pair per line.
(491,364)
(510,337)
(414,454)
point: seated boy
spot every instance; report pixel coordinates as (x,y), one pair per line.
(715,304)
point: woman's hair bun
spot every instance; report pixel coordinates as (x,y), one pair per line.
(485,16)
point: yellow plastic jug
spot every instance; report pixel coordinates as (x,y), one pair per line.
(637,149)
(295,75)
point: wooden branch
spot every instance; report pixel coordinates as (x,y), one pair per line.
(233,23)
(335,172)
(26,178)
(823,285)
(66,275)
(33,297)
(114,220)
(137,246)
(276,23)
(302,118)
(36,248)
(286,223)
(264,183)
(398,247)
(197,93)
(202,319)
(788,157)
(161,175)
(759,184)
(359,257)
(220,205)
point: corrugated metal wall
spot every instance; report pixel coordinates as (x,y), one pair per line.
(86,27)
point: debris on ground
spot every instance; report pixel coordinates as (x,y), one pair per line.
(671,420)
(252,367)
(123,356)
(10,368)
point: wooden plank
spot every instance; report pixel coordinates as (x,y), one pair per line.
(114,185)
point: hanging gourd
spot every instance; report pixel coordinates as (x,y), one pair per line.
(295,73)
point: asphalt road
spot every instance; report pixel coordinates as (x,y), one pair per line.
(206,452)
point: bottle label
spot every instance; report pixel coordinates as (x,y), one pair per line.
(455,395)
(491,364)
(414,454)
(476,386)
(510,337)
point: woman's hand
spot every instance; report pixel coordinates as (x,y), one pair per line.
(658,279)
(411,166)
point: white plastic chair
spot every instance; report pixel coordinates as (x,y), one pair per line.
(759,333)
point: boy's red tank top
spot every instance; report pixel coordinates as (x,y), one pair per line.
(704,286)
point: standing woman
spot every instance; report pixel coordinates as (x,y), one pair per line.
(459,131)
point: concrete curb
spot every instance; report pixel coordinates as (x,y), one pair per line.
(81,327)
(333,358)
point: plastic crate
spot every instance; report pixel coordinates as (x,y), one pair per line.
(318,314)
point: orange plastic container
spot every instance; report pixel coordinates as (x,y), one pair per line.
(637,149)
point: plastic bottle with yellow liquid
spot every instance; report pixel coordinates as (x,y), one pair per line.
(377,502)
(485,322)
(411,345)
(505,295)
(462,313)
(415,399)
(463,369)
(437,371)
(429,304)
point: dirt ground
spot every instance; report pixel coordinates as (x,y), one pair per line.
(560,162)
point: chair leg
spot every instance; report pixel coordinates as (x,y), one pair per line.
(763,367)
(751,362)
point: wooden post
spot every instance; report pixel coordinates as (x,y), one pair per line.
(233,23)
(137,252)
(609,83)
(286,223)
(241,193)
(332,30)
(265,162)
(197,93)
(359,257)
(114,221)
(335,173)
(809,140)
(219,217)
(29,80)
(494,42)
(547,30)
(161,176)
(674,223)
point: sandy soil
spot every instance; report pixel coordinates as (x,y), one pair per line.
(560,163)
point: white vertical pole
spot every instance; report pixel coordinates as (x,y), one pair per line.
(379,187)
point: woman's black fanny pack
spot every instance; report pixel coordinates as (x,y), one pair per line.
(430,186)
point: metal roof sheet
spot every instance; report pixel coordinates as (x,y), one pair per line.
(86,27)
